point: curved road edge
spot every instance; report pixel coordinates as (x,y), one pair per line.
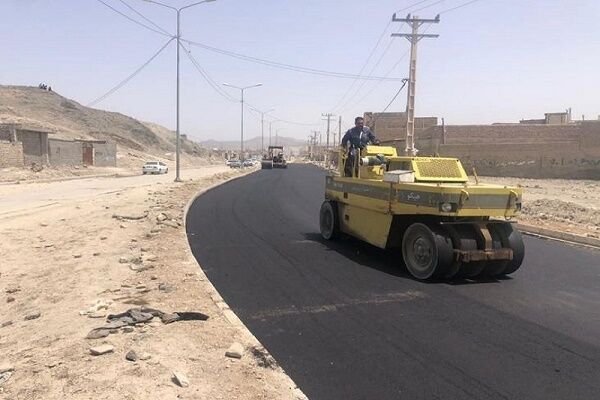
(218,300)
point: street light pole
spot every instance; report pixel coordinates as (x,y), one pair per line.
(271,130)
(177,131)
(241,89)
(262,129)
(177,145)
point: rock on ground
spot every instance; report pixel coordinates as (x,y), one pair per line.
(236,350)
(102,349)
(181,379)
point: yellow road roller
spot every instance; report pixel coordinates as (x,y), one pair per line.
(426,209)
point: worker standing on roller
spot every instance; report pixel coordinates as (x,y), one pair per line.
(358,137)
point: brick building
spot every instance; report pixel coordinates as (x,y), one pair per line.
(23,145)
(391,126)
(553,147)
(33,145)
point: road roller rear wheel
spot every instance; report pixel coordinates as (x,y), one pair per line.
(495,267)
(329,222)
(427,252)
(512,239)
(464,238)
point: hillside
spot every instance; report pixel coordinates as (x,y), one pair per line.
(71,120)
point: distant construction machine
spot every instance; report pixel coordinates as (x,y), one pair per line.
(274,158)
(425,207)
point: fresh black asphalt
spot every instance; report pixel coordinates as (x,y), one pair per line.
(346,321)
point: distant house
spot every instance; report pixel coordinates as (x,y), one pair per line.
(99,153)
(23,145)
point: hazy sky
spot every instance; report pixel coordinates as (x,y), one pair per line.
(495,60)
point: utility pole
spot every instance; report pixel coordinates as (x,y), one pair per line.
(414,37)
(340,131)
(326,155)
(313,140)
(328,116)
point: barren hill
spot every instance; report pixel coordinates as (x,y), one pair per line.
(71,120)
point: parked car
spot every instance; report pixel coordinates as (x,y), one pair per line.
(155,167)
(248,163)
(235,164)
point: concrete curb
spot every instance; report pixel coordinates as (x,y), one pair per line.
(218,300)
(558,235)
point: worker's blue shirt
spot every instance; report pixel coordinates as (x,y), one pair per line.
(359,138)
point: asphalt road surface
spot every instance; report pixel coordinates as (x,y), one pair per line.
(346,321)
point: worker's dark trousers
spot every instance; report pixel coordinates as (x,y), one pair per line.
(349,162)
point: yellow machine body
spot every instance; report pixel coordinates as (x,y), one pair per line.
(387,193)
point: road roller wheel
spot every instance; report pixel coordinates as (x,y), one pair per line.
(427,252)
(495,267)
(329,222)
(465,239)
(512,239)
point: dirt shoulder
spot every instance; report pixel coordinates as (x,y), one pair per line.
(559,204)
(66,268)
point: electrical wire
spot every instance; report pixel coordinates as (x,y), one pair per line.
(130,77)
(429,5)
(133,20)
(144,17)
(412,5)
(212,83)
(339,102)
(396,95)
(386,74)
(459,6)
(227,96)
(363,83)
(296,68)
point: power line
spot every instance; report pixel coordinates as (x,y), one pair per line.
(387,73)
(429,5)
(363,66)
(133,20)
(363,83)
(411,6)
(459,6)
(396,95)
(296,68)
(144,17)
(227,96)
(130,77)
(217,88)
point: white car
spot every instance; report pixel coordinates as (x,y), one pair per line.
(155,167)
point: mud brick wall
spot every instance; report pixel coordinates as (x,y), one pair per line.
(8,132)
(35,146)
(520,150)
(389,126)
(65,152)
(105,154)
(11,154)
